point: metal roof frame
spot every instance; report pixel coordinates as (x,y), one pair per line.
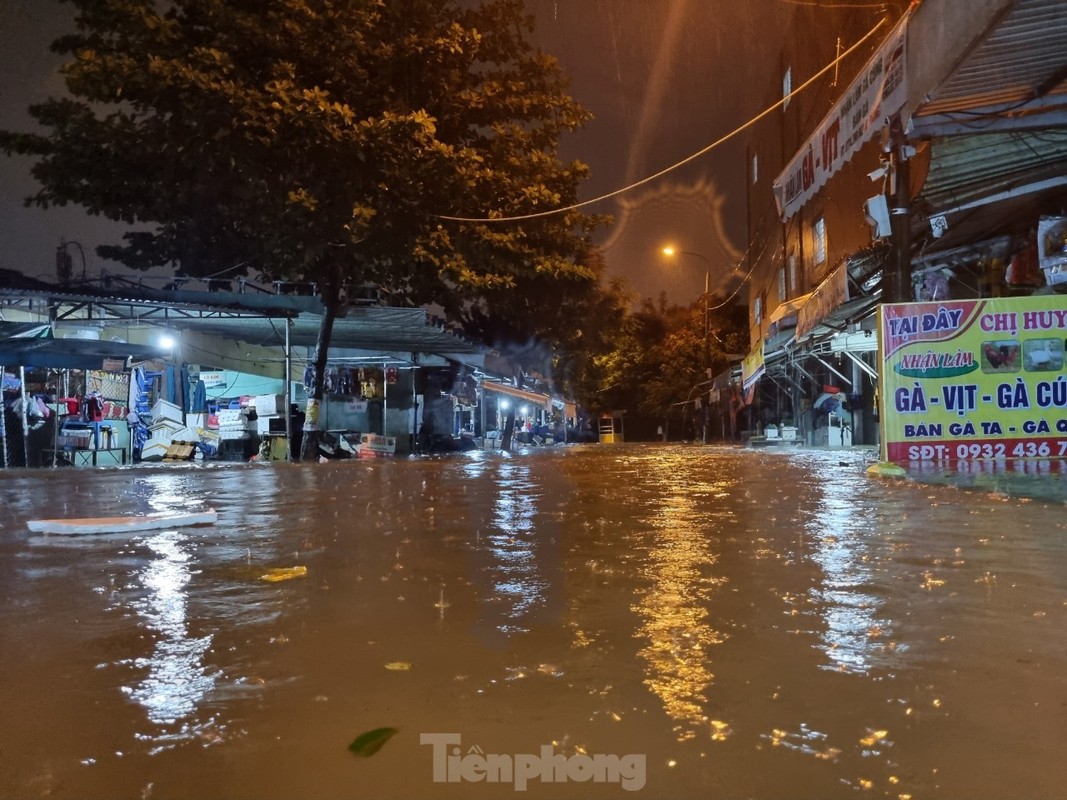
(250,319)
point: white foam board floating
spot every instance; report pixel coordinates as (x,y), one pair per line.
(146,522)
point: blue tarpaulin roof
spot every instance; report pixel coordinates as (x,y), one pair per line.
(32,345)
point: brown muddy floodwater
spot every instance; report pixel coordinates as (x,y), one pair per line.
(592,621)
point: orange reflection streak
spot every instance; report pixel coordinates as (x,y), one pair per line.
(674,613)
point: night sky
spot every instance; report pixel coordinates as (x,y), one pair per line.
(663,78)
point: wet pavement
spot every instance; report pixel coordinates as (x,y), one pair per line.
(663,621)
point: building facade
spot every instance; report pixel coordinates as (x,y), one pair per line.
(913,156)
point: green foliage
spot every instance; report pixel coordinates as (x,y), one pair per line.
(659,356)
(322,140)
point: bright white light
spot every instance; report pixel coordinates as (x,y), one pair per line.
(166,341)
(524,411)
(505,405)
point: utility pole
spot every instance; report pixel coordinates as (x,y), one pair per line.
(896,282)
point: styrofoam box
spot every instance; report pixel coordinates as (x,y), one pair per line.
(229,434)
(263,423)
(164,410)
(153,450)
(164,428)
(270,404)
(230,417)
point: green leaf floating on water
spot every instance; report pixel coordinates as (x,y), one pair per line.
(369,743)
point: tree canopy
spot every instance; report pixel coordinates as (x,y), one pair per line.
(659,356)
(324,140)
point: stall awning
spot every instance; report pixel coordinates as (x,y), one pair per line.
(530,397)
(788,307)
(753,367)
(832,293)
(72,353)
(1000,68)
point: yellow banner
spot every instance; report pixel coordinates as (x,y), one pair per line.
(966,380)
(753,367)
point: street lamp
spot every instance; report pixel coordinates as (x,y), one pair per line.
(671,252)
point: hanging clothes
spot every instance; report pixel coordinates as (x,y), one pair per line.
(198,399)
(139,409)
(168,389)
(187,394)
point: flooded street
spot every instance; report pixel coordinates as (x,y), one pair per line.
(754,624)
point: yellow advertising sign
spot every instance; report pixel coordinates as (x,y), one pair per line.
(966,380)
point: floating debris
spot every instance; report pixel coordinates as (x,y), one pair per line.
(283,574)
(369,743)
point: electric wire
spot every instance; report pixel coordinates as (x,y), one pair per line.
(688,159)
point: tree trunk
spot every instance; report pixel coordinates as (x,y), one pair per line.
(309,446)
(509,429)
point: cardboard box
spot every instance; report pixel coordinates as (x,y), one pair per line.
(208,436)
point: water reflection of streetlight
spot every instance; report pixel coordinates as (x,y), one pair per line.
(512,548)
(178,679)
(671,252)
(856,638)
(676,625)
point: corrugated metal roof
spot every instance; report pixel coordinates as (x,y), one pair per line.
(380,328)
(1024,58)
(964,169)
(399,330)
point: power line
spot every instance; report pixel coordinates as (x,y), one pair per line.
(685,160)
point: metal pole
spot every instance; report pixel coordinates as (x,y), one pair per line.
(25,419)
(3,418)
(707,292)
(484,415)
(55,431)
(288,394)
(414,434)
(385,398)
